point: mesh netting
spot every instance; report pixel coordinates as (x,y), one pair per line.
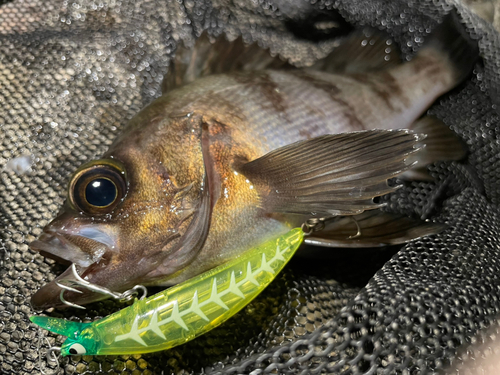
(73,73)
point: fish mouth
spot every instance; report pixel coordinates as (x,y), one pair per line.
(89,249)
(50,294)
(59,248)
(85,247)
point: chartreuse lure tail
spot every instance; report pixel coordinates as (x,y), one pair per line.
(180,313)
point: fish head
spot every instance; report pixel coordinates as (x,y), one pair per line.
(127,212)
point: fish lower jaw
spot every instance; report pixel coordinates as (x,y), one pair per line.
(49,296)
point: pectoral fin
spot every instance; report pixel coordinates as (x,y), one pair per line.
(332,174)
(372,229)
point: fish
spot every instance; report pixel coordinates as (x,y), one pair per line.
(242,147)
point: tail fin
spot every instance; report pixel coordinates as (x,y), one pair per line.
(60,326)
(440,144)
(451,38)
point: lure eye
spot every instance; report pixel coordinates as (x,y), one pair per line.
(77,349)
(96,188)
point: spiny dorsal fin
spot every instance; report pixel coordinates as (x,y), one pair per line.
(220,56)
(364,50)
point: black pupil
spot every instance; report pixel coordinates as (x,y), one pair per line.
(72,351)
(100,192)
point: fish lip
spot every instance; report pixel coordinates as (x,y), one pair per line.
(63,244)
(56,244)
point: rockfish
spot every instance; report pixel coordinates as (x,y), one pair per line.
(241,147)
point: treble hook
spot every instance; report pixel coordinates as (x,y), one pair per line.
(70,285)
(50,354)
(358,233)
(318,224)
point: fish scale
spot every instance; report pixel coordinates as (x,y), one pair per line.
(306,103)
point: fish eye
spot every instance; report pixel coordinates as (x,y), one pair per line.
(100,192)
(77,349)
(96,188)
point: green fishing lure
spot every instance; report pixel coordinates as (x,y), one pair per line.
(180,313)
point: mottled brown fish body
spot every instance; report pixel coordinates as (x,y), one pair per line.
(191,200)
(276,108)
(249,114)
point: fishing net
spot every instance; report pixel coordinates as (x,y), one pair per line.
(72,73)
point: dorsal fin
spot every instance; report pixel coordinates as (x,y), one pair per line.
(220,56)
(440,144)
(364,50)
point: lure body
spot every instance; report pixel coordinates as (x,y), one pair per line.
(183,312)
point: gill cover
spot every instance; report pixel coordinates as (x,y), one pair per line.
(193,239)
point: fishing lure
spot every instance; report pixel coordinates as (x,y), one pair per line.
(183,312)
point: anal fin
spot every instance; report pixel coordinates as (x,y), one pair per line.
(372,229)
